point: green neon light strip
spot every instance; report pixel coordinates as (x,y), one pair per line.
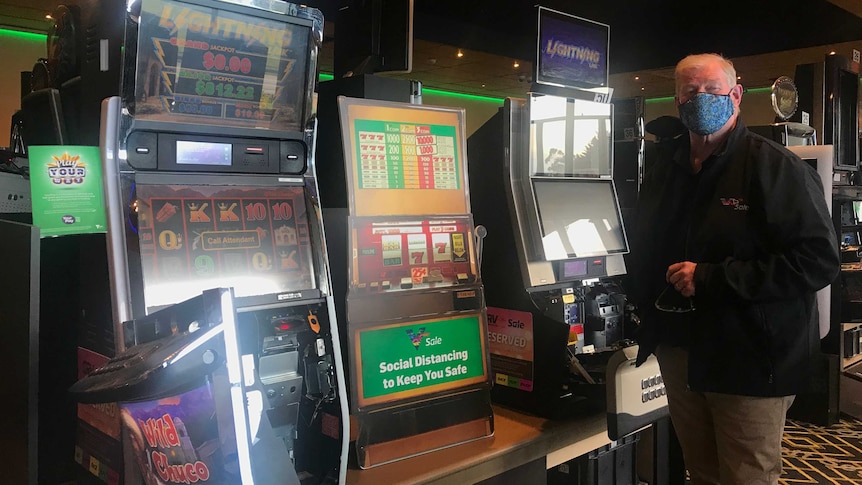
(474,97)
(437,92)
(659,100)
(23,35)
(328,77)
(670,98)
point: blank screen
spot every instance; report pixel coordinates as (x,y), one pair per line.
(579,218)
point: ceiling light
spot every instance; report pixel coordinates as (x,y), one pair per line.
(460,54)
(831,53)
(483,85)
(637,78)
(516,65)
(49,17)
(643,88)
(738,78)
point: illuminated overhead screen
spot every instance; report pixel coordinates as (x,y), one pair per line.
(212,66)
(571,51)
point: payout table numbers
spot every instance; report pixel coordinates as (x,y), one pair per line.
(406,156)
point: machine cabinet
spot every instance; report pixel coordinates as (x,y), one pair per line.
(845,334)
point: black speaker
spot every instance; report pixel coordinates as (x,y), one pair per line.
(42,118)
(625,172)
(820,405)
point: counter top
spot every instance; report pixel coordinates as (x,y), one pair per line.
(518,439)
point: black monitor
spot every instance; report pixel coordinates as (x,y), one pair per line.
(828,101)
(42,118)
(373,36)
(846,136)
(572,52)
(579,218)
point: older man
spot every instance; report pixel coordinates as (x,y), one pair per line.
(732,240)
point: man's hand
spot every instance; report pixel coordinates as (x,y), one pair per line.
(681,276)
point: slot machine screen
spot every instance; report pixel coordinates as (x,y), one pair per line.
(569,137)
(405,254)
(216,66)
(195,237)
(572,51)
(579,218)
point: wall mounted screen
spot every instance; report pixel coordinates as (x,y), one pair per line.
(572,51)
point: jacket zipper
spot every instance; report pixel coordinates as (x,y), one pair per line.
(766,338)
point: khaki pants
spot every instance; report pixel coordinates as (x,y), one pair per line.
(726,439)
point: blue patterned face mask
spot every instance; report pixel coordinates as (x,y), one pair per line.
(706,113)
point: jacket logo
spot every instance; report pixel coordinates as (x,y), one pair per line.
(737,204)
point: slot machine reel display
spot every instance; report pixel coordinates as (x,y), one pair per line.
(417,254)
(210,182)
(415,308)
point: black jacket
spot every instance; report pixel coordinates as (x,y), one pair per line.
(763,240)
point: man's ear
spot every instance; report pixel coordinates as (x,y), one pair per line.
(736,92)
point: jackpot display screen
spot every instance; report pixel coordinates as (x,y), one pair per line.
(579,218)
(194,237)
(408,254)
(572,51)
(204,65)
(417,358)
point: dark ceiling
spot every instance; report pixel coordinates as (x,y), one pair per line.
(645,34)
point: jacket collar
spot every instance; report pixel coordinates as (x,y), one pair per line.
(682,155)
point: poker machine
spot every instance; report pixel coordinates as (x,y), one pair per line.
(415,311)
(542,184)
(210,183)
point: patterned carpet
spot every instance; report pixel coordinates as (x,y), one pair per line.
(814,454)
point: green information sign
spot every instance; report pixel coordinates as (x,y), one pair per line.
(411,358)
(66,190)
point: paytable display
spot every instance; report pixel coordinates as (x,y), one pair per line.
(406,156)
(405,161)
